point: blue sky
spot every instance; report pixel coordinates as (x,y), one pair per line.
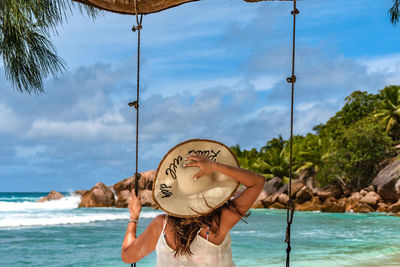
(210,69)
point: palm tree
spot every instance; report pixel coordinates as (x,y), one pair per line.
(25,30)
(389,109)
(278,143)
(277,162)
(394,12)
(314,154)
(248,159)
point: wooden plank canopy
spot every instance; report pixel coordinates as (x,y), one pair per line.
(143,6)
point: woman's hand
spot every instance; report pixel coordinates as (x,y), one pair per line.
(135,206)
(206,165)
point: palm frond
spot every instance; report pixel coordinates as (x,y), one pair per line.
(394,12)
(26,27)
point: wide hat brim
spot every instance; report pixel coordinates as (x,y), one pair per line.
(174,189)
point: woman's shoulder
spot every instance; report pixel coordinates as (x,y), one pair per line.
(157,222)
(160,218)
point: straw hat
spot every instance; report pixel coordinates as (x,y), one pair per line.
(174,189)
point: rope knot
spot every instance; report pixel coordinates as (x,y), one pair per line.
(134,104)
(295,12)
(136,28)
(291,79)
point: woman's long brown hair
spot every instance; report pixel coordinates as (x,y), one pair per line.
(186,228)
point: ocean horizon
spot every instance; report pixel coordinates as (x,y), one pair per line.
(57,233)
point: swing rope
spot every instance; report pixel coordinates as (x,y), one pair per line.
(135,104)
(292,81)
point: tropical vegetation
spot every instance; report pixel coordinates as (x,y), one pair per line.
(26,27)
(349,149)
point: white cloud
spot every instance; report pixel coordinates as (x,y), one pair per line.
(9,123)
(264,82)
(107,128)
(29,151)
(210,69)
(307,106)
(384,63)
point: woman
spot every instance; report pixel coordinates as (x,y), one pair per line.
(193,240)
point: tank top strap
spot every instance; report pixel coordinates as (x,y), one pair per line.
(164,224)
(207,233)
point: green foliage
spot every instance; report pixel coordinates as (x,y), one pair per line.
(394,12)
(356,154)
(346,150)
(25,30)
(246,158)
(389,110)
(358,105)
(312,153)
(272,159)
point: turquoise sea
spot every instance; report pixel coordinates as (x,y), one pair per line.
(57,233)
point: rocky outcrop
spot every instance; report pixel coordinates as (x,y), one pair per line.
(258,205)
(270,200)
(307,177)
(387,182)
(333,205)
(283,189)
(352,201)
(277,205)
(270,187)
(283,198)
(370,188)
(312,205)
(312,183)
(145,183)
(146,180)
(395,208)
(53,195)
(79,192)
(371,198)
(303,195)
(324,194)
(328,199)
(99,196)
(118,194)
(297,185)
(146,196)
(383,207)
(274,195)
(363,208)
(122,198)
(329,191)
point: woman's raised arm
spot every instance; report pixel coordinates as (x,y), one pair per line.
(135,248)
(254,184)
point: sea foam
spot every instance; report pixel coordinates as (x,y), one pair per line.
(68,202)
(63,211)
(59,218)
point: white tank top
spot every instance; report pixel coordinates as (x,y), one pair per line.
(204,252)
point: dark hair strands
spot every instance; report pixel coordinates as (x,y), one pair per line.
(186,229)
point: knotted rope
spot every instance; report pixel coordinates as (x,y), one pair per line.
(135,104)
(292,81)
